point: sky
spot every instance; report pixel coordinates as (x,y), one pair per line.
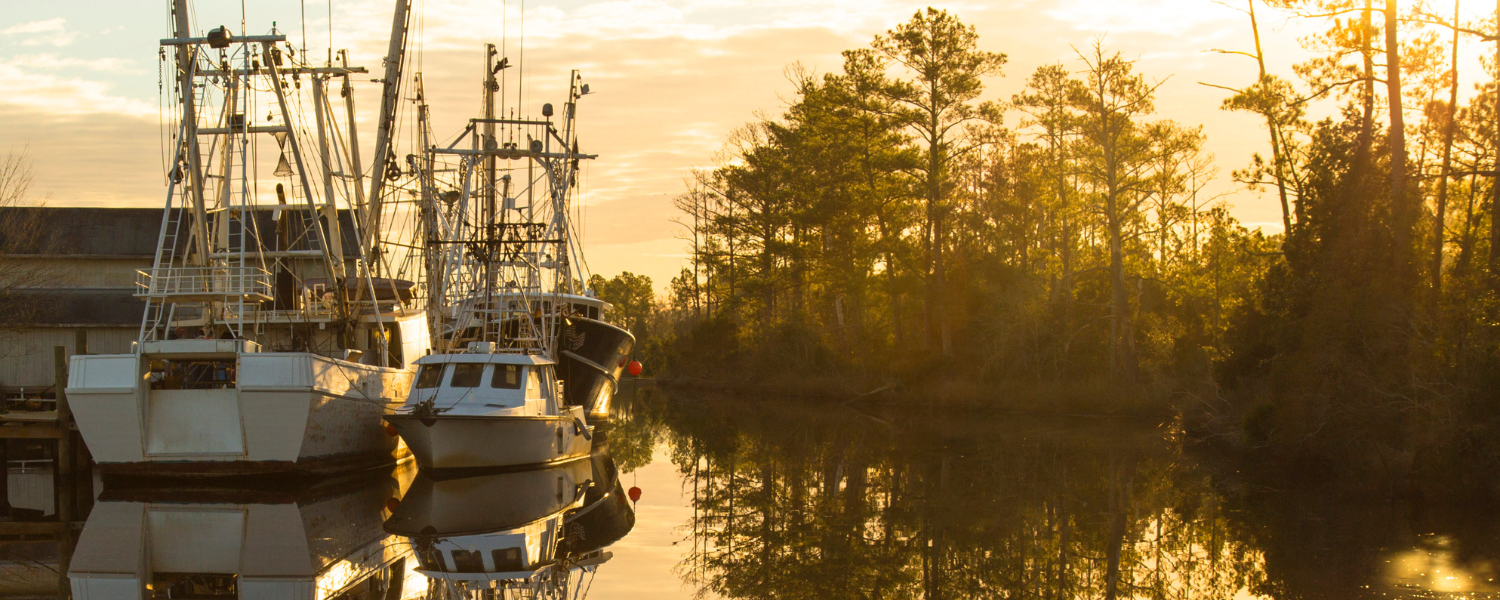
(671,78)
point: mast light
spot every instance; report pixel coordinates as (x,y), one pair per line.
(220,37)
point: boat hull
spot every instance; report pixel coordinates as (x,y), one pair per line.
(446,442)
(590,359)
(318,542)
(287,414)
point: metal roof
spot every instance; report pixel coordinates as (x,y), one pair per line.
(55,307)
(86,231)
(123,232)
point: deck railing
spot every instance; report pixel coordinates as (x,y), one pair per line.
(204,283)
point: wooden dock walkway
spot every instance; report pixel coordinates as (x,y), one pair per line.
(32,425)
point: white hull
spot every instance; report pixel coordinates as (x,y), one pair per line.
(286,412)
(314,546)
(480,442)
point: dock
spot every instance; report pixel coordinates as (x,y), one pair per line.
(69,464)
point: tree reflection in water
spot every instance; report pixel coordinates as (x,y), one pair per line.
(794,502)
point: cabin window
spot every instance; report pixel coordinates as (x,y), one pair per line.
(431,560)
(468,561)
(467,375)
(507,377)
(209,586)
(193,375)
(507,559)
(430,376)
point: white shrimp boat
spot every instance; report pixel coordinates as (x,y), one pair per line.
(524,366)
(324,541)
(268,344)
(498,410)
(525,532)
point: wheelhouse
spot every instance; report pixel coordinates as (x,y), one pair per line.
(486,381)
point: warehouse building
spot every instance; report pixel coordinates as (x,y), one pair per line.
(77,267)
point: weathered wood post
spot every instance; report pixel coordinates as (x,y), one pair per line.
(65,544)
(63,468)
(4,478)
(63,460)
(83,460)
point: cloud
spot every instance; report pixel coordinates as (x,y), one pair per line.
(64,95)
(53,61)
(89,159)
(52,32)
(54,25)
(1165,17)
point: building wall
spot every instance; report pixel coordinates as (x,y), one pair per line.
(26,355)
(85,272)
(31,487)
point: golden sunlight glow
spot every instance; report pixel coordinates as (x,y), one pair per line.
(1432,566)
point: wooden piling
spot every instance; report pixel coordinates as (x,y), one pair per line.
(63,482)
(83,460)
(65,544)
(83,473)
(63,461)
(4,479)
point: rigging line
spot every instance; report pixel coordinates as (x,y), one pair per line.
(521,62)
(161,116)
(592,574)
(341,152)
(260,246)
(504,47)
(420,47)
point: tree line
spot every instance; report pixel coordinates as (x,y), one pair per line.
(891,219)
(889,225)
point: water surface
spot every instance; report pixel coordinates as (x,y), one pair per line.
(764,498)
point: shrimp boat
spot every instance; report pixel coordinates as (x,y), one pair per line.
(525,532)
(322,541)
(268,345)
(524,367)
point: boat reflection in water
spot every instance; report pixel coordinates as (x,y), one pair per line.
(517,532)
(318,542)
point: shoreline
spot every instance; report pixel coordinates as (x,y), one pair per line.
(1092,399)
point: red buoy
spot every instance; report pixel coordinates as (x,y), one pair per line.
(390,430)
(635,494)
(392,503)
(634,368)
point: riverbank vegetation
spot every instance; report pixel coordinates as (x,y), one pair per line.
(889,228)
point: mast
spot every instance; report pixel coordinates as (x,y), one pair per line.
(427,231)
(488,189)
(187,59)
(370,257)
(355,166)
(333,269)
(385,130)
(330,202)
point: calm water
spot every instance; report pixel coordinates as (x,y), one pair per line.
(745,498)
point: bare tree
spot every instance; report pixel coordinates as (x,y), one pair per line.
(20,233)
